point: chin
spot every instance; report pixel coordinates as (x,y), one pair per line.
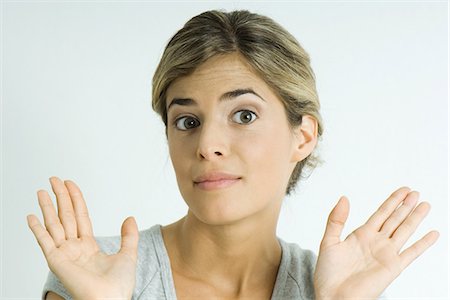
(223,212)
(223,209)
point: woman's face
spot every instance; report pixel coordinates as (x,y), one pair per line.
(230,142)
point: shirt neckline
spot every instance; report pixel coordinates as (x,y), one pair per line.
(166,270)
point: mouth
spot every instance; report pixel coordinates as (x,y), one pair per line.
(216,180)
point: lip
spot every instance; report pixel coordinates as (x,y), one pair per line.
(215,180)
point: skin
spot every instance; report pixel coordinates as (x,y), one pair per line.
(214,251)
(221,223)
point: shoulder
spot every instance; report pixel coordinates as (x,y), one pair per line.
(151,254)
(302,262)
(296,272)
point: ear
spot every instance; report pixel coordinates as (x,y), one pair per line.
(305,138)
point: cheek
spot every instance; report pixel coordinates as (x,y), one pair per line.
(270,141)
(267,153)
(178,154)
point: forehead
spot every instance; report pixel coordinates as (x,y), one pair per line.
(217,75)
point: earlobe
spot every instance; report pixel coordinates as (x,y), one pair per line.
(306,138)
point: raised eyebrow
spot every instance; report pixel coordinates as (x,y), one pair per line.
(226,96)
(239,92)
(181,101)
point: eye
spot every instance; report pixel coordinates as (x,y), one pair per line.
(186,123)
(244,117)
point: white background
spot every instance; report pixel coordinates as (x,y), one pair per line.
(76,87)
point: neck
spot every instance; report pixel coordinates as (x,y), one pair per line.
(242,255)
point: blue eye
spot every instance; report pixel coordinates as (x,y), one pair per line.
(186,123)
(244,117)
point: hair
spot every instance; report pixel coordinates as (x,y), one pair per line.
(269,49)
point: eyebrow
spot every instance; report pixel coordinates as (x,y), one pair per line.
(226,96)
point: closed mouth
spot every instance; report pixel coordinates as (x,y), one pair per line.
(215,180)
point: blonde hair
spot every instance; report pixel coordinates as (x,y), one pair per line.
(272,52)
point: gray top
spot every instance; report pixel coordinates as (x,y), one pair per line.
(154,277)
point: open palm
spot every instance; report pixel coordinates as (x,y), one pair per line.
(369,259)
(72,252)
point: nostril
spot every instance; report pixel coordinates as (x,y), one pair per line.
(209,154)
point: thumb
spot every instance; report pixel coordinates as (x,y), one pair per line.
(130,238)
(336,222)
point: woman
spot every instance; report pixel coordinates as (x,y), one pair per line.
(238,98)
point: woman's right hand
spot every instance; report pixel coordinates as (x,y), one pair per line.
(72,253)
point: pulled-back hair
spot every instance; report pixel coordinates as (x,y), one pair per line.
(269,49)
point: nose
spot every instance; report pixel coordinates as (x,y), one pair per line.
(212,142)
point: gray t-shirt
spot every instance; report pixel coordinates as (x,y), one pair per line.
(154,277)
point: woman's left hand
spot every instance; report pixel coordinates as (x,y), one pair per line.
(369,259)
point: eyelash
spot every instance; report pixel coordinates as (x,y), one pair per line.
(179,121)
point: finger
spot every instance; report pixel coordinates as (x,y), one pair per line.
(42,236)
(130,238)
(400,214)
(419,247)
(51,219)
(336,222)
(65,208)
(409,226)
(84,225)
(385,210)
